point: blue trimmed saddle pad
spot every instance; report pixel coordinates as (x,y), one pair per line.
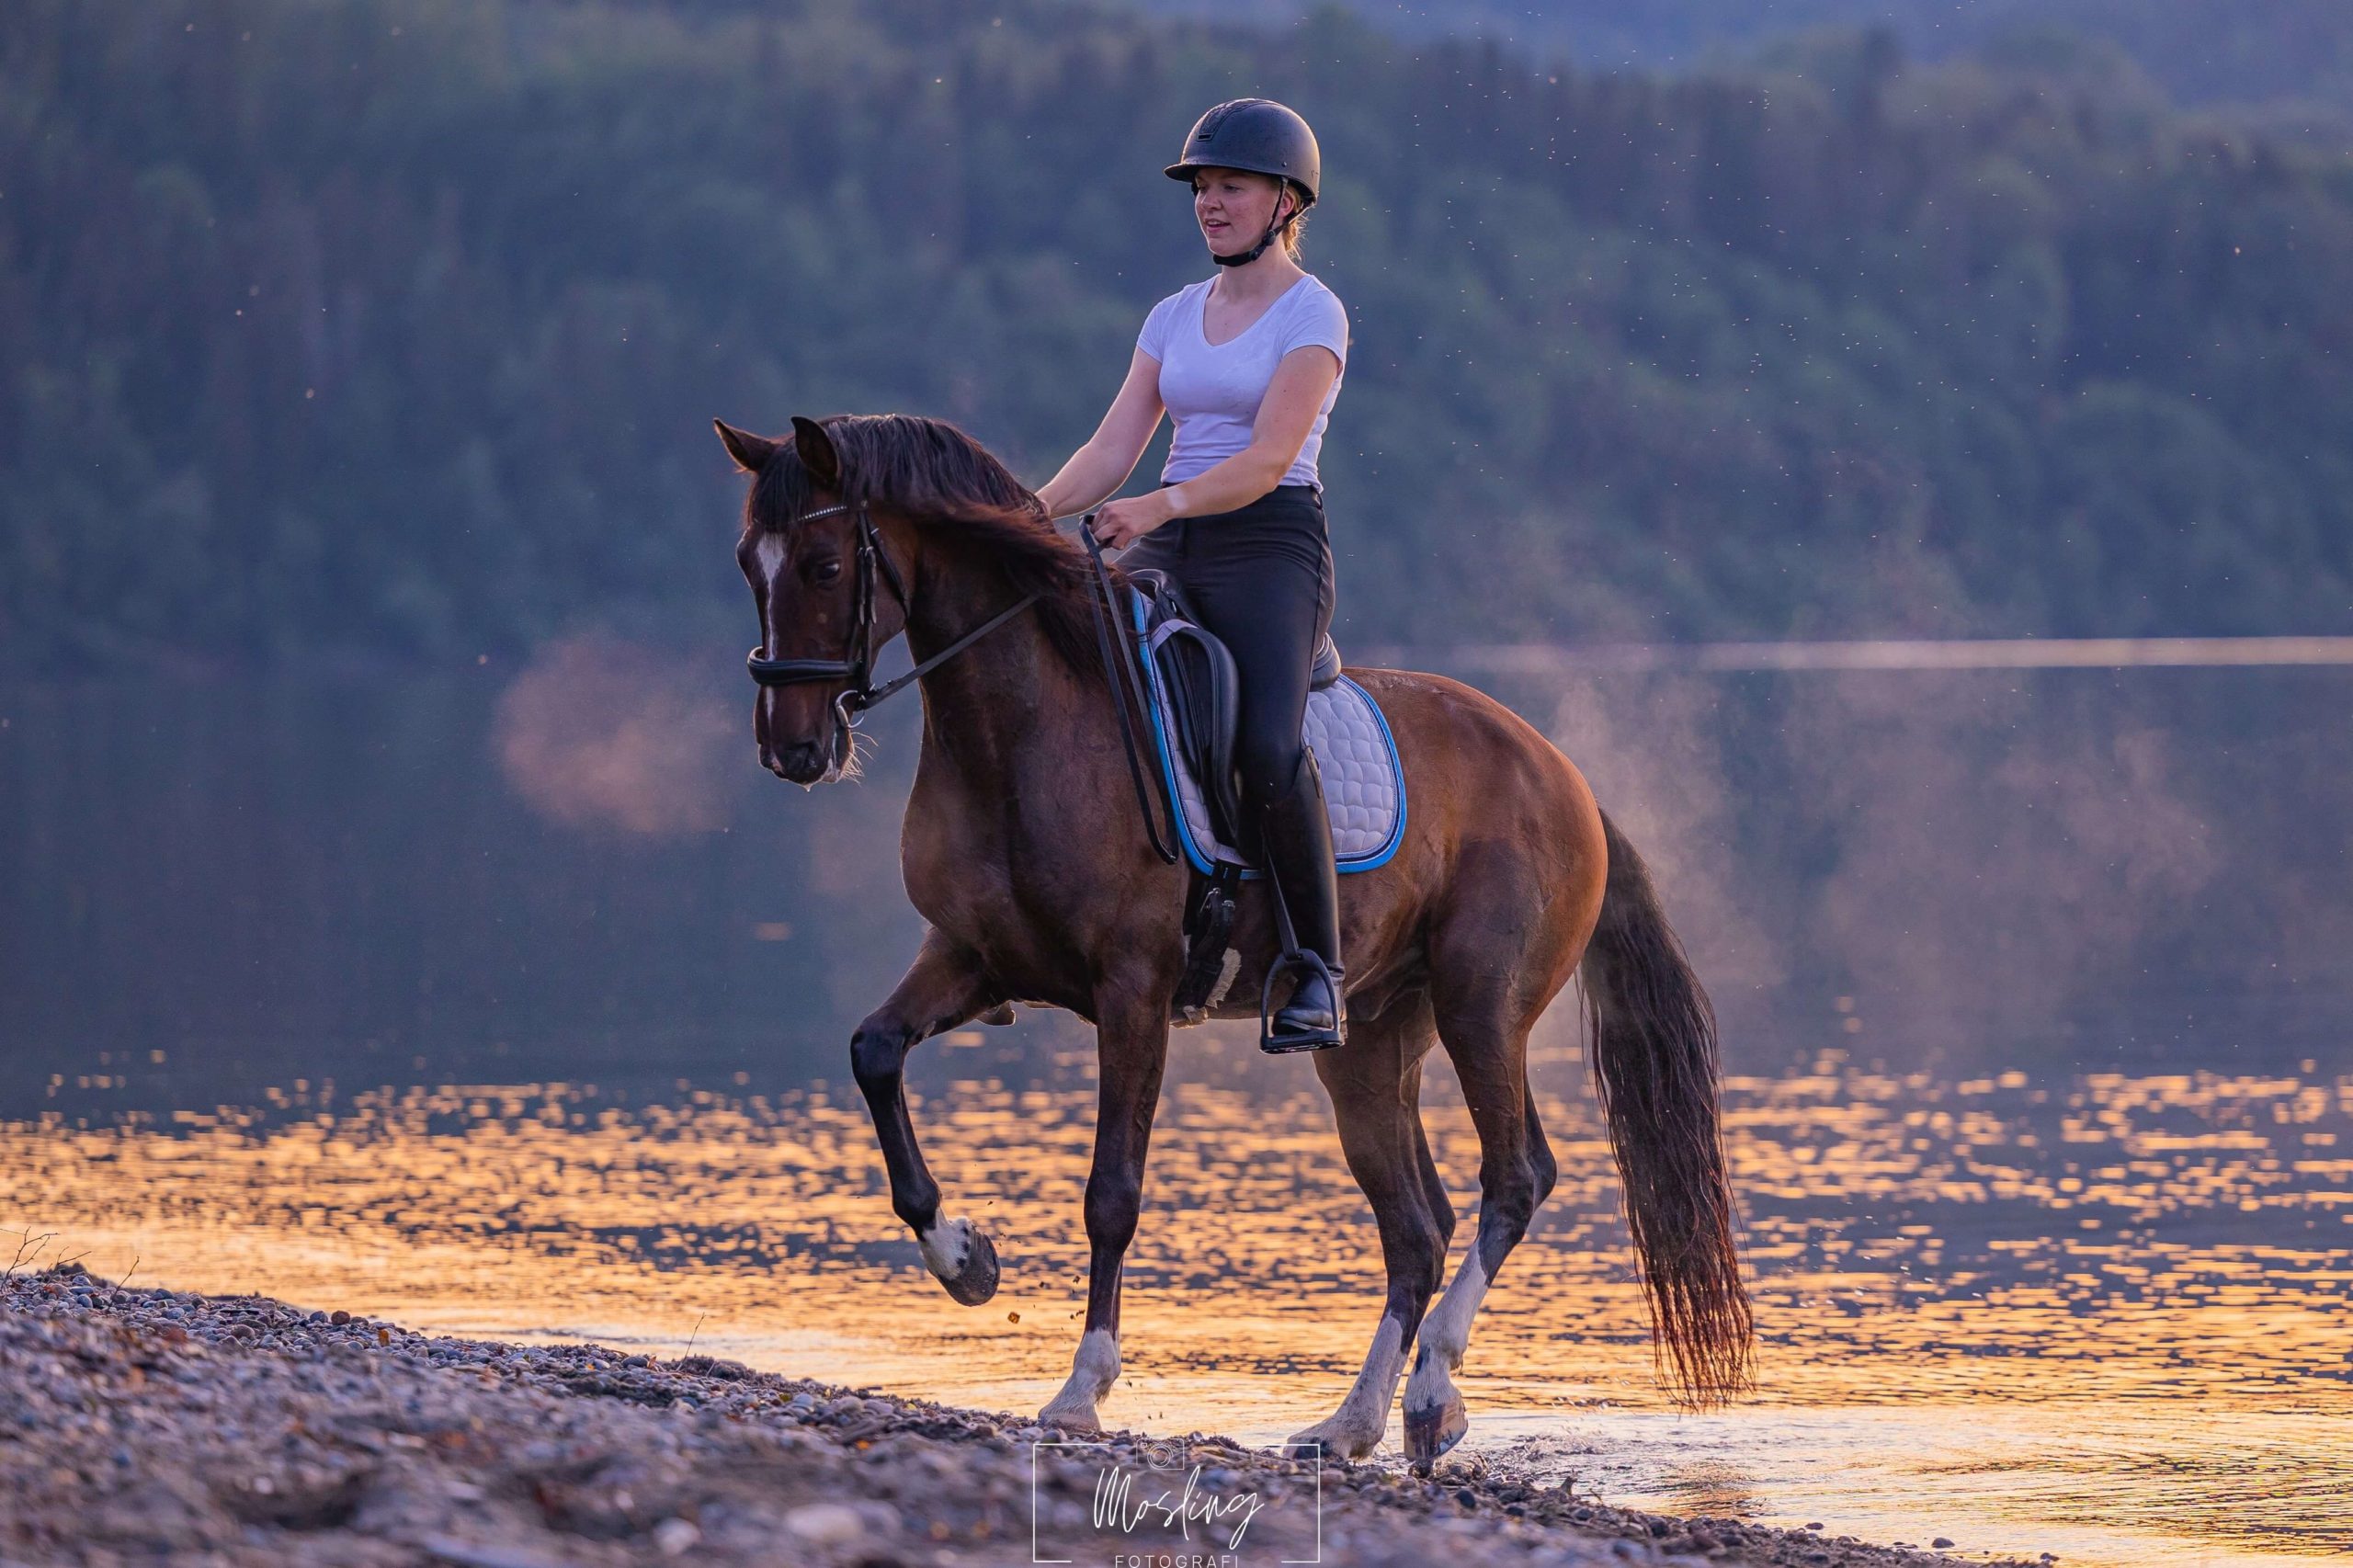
(1364,782)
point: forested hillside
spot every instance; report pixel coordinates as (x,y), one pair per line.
(394,329)
(2289,55)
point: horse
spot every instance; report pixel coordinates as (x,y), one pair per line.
(1024,851)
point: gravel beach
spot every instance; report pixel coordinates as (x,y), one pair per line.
(145,1426)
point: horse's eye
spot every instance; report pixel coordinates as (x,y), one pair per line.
(824,570)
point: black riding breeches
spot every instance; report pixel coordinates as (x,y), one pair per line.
(1260,578)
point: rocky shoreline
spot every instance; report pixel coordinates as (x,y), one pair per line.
(145,1426)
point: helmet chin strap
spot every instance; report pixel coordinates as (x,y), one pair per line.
(1254,252)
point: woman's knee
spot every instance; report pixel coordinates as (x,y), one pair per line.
(1267,760)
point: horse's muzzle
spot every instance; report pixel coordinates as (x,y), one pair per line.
(807,762)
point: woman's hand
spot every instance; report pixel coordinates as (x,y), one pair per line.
(1120,523)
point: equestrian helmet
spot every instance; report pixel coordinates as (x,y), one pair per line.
(1257,135)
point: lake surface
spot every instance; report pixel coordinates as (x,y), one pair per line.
(517,1002)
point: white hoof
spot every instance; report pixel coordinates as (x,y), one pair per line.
(1071,1415)
(1340,1436)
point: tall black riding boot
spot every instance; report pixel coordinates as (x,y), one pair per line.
(1295,835)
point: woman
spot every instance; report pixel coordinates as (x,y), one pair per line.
(1248,363)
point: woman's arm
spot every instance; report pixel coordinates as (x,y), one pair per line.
(1101,466)
(1295,394)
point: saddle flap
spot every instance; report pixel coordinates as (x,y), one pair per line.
(1204,692)
(1364,781)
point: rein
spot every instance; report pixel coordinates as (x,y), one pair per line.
(1105,602)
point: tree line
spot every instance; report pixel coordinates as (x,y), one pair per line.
(392,329)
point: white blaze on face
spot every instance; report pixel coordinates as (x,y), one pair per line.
(769,553)
(767,559)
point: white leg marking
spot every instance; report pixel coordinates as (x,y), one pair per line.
(945,1246)
(1354,1430)
(1093,1370)
(1446,1333)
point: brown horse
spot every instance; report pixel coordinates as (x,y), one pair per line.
(1024,851)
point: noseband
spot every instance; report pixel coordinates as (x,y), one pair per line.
(856,664)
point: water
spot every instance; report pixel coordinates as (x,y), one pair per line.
(515,1004)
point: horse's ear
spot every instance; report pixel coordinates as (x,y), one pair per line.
(817,454)
(751,452)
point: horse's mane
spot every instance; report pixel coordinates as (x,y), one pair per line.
(937,477)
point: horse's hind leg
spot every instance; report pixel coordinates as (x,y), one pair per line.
(1374,1084)
(1483,1016)
(942,988)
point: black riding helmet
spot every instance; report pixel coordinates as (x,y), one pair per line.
(1259,135)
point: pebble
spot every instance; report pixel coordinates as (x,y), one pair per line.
(826,1524)
(674,1537)
(1941,1542)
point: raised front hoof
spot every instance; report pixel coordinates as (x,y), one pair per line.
(975,1281)
(1338,1439)
(1430,1432)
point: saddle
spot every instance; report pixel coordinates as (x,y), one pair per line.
(1193,700)
(1202,694)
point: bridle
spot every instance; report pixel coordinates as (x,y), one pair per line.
(857,664)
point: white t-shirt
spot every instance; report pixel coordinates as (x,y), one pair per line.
(1212,391)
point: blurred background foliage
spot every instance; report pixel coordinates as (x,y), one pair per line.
(391,330)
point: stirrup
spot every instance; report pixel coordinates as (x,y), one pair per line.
(1290,1040)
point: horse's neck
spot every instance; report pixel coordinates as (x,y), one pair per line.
(1004,707)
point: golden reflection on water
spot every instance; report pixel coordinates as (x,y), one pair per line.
(2130,1290)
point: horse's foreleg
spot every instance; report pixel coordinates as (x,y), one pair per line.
(1374,1083)
(1131,1047)
(943,987)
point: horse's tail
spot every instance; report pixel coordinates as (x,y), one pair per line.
(1654,1066)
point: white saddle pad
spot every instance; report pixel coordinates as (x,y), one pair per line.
(1364,783)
